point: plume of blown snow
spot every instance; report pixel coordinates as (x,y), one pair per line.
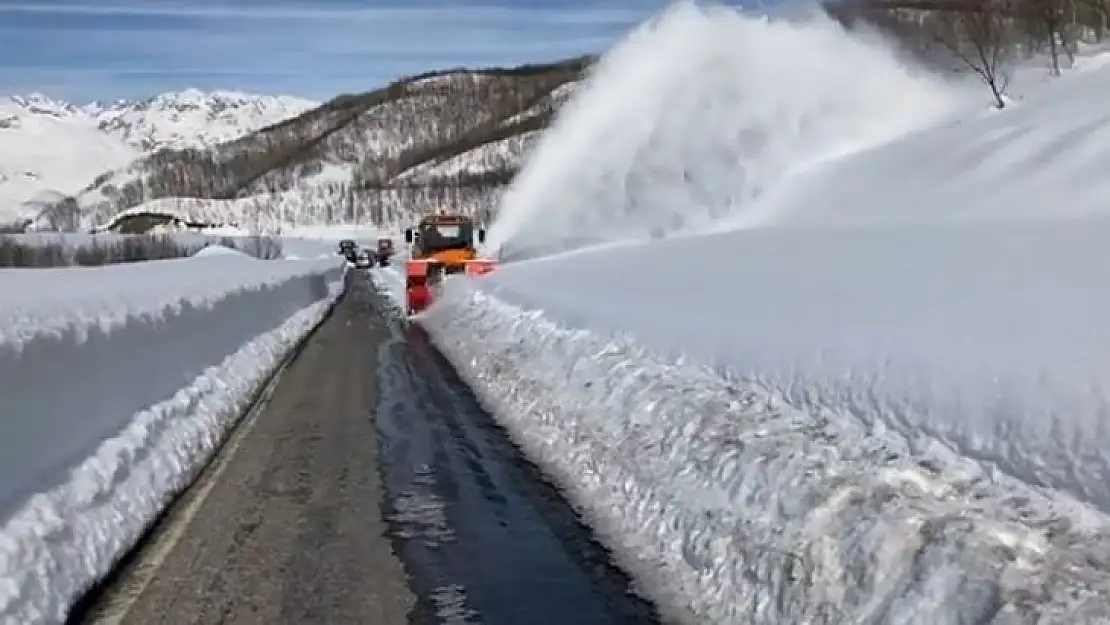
(697,112)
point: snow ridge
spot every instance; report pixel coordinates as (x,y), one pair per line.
(731,507)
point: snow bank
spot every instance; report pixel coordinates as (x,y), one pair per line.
(66,249)
(697,113)
(731,506)
(116,385)
(219,250)
(993,337)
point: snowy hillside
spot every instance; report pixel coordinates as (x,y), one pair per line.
(451,138)
(50,148)
(420,144)
(706,150)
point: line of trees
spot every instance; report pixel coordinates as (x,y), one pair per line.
(985,37)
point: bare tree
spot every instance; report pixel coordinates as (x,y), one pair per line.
(1050,24)
(982,40)
(61,216)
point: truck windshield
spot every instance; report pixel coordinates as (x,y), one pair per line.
(435,237)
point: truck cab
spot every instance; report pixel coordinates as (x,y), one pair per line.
(447,240)
(441,245)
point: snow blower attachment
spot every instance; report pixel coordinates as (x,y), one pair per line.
(440,246)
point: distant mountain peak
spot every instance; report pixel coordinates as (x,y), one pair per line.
(177,119)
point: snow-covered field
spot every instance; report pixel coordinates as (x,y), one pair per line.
(116,384)
(862,379)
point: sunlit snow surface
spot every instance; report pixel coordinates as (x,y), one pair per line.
(1045,158)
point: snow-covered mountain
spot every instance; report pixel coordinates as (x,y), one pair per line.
(50,148)
(194,118)
(450,139)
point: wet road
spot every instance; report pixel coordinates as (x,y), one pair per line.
(485,539)
(370,487)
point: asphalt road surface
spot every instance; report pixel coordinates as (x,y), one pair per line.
(369,488)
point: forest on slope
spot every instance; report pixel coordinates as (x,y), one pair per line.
(985,38)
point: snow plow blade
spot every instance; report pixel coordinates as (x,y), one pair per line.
(423,279)
(418,294)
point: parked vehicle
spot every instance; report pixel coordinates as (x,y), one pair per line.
(385,251)
(349,250)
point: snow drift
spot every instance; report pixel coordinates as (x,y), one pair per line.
(116,384)
(698,112)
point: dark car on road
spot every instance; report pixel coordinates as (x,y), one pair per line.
(384,251)
(349,250)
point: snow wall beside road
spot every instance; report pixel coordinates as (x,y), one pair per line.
(116,386)
(729,506)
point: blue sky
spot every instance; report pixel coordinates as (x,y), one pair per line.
(108,49)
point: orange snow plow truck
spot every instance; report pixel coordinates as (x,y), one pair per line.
(441,245)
